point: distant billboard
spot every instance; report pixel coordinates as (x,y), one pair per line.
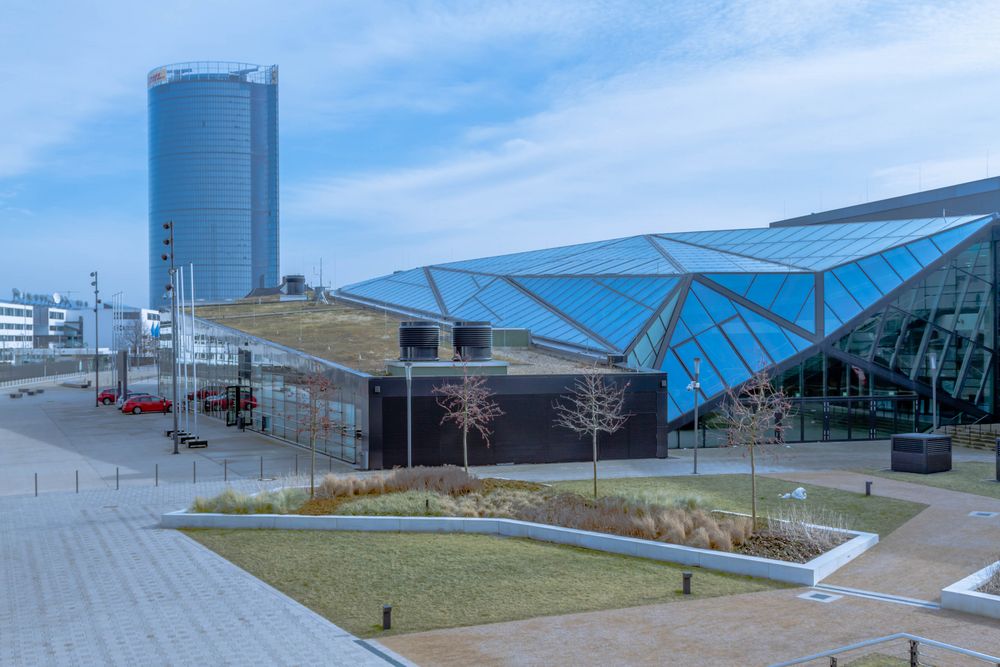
(156,77)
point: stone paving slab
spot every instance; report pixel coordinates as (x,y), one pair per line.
(90,579)
(752,629)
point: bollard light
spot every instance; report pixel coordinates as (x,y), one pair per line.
(687,583)
(387,617)
(868,488)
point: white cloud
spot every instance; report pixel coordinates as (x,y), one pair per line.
(670,145)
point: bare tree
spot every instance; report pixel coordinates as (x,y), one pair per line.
(755,414)
(470,405)
(318,424)
(593,406)
(133,335)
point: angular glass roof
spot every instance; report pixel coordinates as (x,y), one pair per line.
(739,299)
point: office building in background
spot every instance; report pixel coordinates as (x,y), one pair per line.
(213,172)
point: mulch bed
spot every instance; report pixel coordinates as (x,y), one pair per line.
(767,545)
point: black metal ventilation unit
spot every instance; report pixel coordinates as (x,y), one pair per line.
(921,452)
(473,341)
(418,341)
(295,285)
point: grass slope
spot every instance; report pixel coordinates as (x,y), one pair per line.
(441,581)
(732,493)
(967,477)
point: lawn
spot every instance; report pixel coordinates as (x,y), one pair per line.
(441,581)
(732,493)
(967,477)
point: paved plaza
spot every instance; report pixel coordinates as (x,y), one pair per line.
(61,434)
(90,578)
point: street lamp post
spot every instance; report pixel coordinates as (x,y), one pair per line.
(934,406)
(409,414)
(695,386)
(171,287)
(97,358)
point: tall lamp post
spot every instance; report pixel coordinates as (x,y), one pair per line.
(695,387)
(97,357)
(169,257)
(934,406)
(409,414)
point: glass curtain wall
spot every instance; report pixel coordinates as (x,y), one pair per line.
(863,386)
(289,400)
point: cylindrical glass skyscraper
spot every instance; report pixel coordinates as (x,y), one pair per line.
(213,172)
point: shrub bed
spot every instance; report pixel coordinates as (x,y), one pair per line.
(449,491)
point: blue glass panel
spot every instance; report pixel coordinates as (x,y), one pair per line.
(880,272)
(858,284)
(607,313)
(695,317)
(681,332)
(677,382)
(753,354)
(951,238)
(793,293)
(737,282)
(839,299)
(407,288)
(830,321)
(717,305)
(455,288)
(711,383)
(765,287)
(925,251)
(723,357)
(648,291)
(902,262)
(771,335)
(807,316)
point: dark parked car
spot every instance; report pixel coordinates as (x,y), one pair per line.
(146,403)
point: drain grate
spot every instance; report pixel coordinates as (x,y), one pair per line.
(983,515)
(816,596)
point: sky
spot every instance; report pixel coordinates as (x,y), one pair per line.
(414,133)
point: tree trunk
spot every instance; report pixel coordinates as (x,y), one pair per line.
(595,463)
(465,447)
(753,489)
(312,465)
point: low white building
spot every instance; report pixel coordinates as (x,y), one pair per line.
(16,326)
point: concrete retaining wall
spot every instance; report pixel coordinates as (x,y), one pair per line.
(963,596)
(805,574)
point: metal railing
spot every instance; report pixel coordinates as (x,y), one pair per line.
(899,648)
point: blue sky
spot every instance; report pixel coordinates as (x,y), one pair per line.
(420,132)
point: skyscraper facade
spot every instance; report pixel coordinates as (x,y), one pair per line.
(213,172)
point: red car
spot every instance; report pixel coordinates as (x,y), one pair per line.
(204,392)
(108,396)
(146,403)
(221,402)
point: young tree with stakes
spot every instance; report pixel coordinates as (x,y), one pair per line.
(318,422)
(470,405)
(593,406)
(755,414)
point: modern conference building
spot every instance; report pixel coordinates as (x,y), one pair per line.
(858,313)
(213,172)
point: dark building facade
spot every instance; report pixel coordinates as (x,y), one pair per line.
(213,172)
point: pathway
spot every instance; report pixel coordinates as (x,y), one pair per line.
(932,550)
(90,579)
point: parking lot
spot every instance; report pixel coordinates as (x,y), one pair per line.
(61,437)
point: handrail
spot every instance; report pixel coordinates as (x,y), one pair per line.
(888,638)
